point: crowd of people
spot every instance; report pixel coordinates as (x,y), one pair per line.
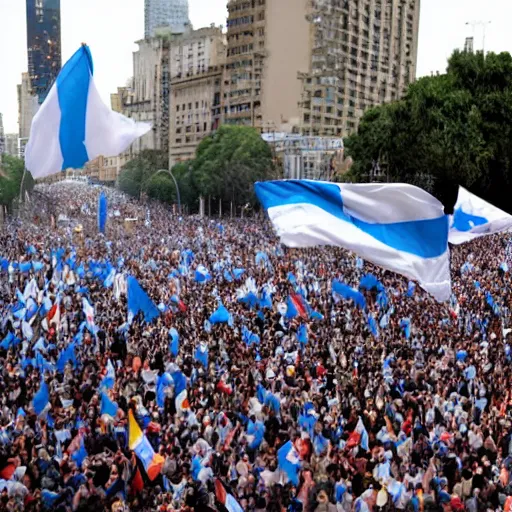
(299,399)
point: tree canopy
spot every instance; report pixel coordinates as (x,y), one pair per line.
(448,130)
(11,176)
(226,166)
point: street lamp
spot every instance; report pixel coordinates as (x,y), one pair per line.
(169,172)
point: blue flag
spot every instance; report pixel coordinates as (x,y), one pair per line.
(138,300)
(201,354)
(41,398)
(102,212)
(175,338)
(220,315)
(108,406)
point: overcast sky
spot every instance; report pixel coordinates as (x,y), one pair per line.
(110,28)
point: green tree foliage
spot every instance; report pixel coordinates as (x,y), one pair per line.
(11,176)
(227,165)
(135,175)
(448,130)
(161,187)
(229,162)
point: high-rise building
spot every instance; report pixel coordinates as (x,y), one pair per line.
(268,44)
(171,14)
(27,106)
(196,66)
(43,45)
(364,53)
(314,66)
(11,144)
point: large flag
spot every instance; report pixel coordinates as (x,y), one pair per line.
(397,226)
(473,217)
(139,444)
(74,126)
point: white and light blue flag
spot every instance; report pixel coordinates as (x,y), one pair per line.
(473,217)
(73,124)
(397,226)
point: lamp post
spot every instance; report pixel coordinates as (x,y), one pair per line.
(169,172)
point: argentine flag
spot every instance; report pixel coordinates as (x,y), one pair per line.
(397,226)
(473,217)
(73,124)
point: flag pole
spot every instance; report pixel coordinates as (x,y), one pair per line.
(22,183)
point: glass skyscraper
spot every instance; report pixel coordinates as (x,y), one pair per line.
(43,45)
(165,13)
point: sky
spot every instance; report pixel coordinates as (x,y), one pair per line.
(111,27)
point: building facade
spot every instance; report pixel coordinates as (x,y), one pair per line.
(196,65)
(171,14)
(11,144)
(28,105)
(364,53)
(43,45)
(314,66)
(267,45)
(148,100)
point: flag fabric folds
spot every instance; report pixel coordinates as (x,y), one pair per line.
(108,406)
(73,124)
(349,293)
(41,399)
(102,212)
(397,226)
(140,445)
(289,462)
(138,300)
(219,316)
(473,217)
(225,498)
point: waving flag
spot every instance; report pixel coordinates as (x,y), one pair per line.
(109,379)
(349,293)
(201,354)
(138,300)
(89,315)
(180,391)
(289,462)
(74,126)
(139,444)
(174,346)
(202,275)
(108,406)
(397,226)
(226,499)
(474,217)
(219,316)
(102,212)
(41,399)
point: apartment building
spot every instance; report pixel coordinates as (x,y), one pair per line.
(364,53)
(197,59)
(171,14)
(268,43)
(148,100)
(314,66)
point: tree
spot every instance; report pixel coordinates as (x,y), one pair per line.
(448,130)
(161,187)
(135,174)
(229,162)
(11,177)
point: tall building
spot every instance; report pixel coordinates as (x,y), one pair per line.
(11,144)
(469,45)
(314,66)
(171,14)
(28,105)
(364,53)
(196,66)
(148,100)
(268,44)
(43,45)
